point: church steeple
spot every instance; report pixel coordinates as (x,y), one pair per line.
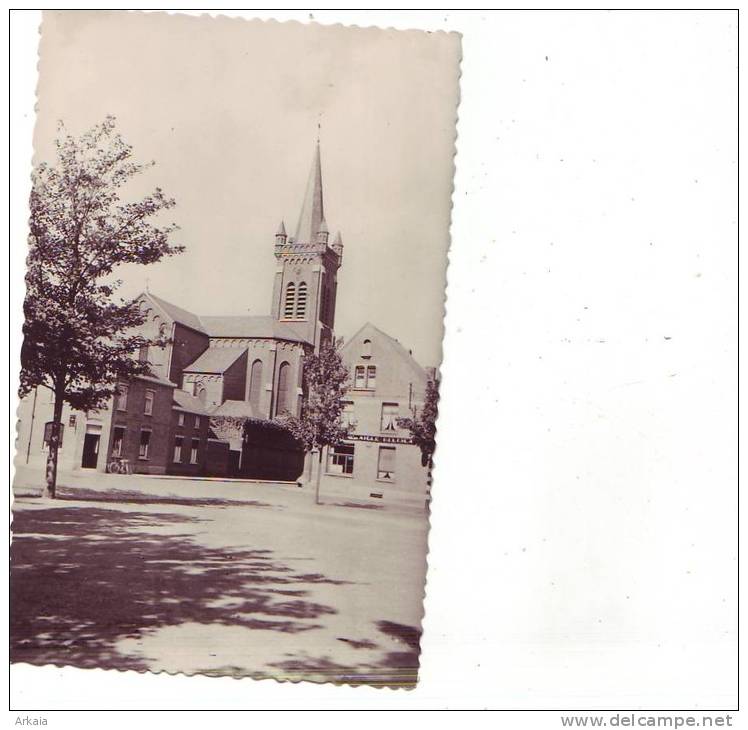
(306,285)
(312,210)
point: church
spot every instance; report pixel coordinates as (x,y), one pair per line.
(207,409)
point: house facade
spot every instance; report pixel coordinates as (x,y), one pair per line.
(379,461)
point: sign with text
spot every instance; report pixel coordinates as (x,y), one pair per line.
(380,439)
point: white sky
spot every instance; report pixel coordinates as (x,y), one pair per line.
(229,111)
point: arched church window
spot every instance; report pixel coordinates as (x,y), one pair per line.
(202,394)
(255,386)
(301,301)
(290,299)
(366,349)
(283,388)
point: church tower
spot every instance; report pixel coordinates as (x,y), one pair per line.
(305,287)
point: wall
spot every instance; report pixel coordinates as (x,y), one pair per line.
(212,383)
(409,485)
(154,327)
(235,379)
(31,452)
(187,345)
(134,420)
(195,427)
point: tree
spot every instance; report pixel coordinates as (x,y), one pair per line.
(422,426)
(78,341)
(320,423)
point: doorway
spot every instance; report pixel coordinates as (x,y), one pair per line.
(90,451)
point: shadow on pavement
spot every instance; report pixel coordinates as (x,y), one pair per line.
(393,669)
(85,577)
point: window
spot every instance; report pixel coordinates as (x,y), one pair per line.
(180,420)
(149,396)
(386,464)
(143,353)
(290,300)
(177,449)
(255,386)
(389,417)
(197,422)
(122,391)
(366,349)
(340,459)
(301,301)
(72,420)
(145,442)
(193,452)
(283,388)
(348,415)
(365,377)
(202,394)
(118,440)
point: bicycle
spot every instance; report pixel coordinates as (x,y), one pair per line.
(119,465)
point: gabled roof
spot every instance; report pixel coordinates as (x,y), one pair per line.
(183,401)
(215,360)
(406,357)
(262,326)
(177,313)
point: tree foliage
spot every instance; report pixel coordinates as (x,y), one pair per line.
(325,383)
(422,426)
(79,341)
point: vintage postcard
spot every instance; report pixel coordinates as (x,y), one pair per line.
(230,368)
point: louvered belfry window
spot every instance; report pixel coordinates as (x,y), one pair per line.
(290,300)
(301,301)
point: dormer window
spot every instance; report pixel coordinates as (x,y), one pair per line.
(366,349)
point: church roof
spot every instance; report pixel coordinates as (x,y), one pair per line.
(178,314)
(312,209)
(215,360)
(262,326)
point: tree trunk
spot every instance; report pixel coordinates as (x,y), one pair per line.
(50,488)
(319,477)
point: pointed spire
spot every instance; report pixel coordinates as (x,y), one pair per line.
(281,229)
(337,246)
(312,209)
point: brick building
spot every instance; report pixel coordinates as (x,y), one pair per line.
(379,461)
(216,386)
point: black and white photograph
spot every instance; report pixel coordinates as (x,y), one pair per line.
(232,339)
